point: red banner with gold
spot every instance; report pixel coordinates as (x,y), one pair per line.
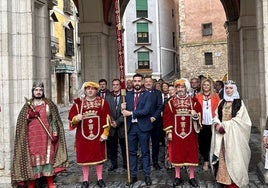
(119,41)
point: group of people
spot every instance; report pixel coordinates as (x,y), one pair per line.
(197,118)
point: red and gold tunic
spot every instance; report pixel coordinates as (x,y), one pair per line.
(94,125)
(42,151)
(177,118)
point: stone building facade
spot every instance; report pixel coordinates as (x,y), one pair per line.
(150,38)
(202,41)
(65,52)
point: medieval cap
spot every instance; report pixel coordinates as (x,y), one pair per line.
(38,84)
(90,84)
(184,82)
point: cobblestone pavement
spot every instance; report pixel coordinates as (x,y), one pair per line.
(163,178)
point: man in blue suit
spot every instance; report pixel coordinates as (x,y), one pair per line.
(137,110)
(155,117)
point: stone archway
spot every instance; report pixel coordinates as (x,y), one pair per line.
(98,39)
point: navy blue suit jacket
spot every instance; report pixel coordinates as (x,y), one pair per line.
(142,112)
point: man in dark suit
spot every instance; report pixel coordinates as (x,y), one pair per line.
(117,132)
(155,117)
(103,90)
(219,88)
(137,110)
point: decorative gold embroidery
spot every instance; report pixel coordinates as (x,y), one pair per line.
(90,113)
(227,111)
(183,133)
(90,127)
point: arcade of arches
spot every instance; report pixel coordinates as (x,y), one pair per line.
(246,28)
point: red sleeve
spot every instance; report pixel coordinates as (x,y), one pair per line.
(168,119)
(75,109)
(105,112)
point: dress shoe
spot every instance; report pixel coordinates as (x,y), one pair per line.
(85,184)
(101,183)
(148,181)
(112,168)
(133,180)
(177,182)
(193,182)
(156,166)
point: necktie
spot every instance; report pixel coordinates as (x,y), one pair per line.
(136,98)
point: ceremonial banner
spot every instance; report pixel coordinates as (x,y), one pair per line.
(119,41)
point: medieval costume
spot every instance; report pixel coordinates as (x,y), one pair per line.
(230,152)
(91,130)
(181,123)
(40,146)
(178,120)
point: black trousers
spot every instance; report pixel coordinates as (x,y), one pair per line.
(204,139)
(155,139)
(112,149)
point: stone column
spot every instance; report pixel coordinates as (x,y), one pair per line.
(24,49)
(233,43)
(66,93)
(262,30)
(249,67)
(94,50)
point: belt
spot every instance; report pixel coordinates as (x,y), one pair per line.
(206,125)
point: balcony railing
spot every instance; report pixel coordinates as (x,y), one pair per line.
(54,45)
(68,7)
(144,40)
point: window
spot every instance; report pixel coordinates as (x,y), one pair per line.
(69,40)
(208,58)
(68,7)
(207,29)
(142,33)
(143,60)
(141,8)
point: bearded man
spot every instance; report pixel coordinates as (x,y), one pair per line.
(40,146)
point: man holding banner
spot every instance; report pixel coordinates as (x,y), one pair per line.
(137,110)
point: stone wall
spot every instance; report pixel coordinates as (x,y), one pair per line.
(192,60)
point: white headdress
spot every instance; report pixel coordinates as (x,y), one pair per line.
(235,94)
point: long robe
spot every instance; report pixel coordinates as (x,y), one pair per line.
(95,124)
(236,145)
(177,118)
(23,168)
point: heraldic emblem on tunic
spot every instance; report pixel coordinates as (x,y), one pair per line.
(91,127)
(183,125)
